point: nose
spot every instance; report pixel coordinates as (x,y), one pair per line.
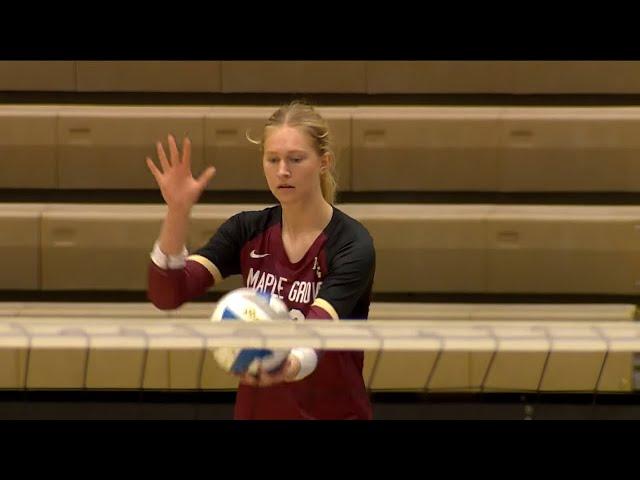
(283,169)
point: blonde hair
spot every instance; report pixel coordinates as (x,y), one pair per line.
(301,115)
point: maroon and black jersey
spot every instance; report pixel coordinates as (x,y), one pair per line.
(333,280)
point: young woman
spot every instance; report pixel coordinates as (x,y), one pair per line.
(317,259)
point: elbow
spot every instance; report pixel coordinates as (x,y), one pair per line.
(163,302)
(162,291)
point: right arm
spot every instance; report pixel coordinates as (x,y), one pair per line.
(173,280)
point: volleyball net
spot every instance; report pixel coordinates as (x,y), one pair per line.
(46,352)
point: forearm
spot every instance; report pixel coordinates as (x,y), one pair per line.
(308,358)
(170,288)
(173,234)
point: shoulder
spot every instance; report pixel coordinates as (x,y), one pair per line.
(256,216)
(249,223)
(347,238)
(345,230)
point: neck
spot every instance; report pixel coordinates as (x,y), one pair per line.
(300,218)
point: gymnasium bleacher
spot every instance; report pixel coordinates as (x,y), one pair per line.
(502,130)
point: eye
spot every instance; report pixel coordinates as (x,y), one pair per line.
(296,159)
(272,159)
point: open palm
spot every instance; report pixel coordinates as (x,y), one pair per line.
(178,186)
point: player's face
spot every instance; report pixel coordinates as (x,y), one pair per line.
(292,165)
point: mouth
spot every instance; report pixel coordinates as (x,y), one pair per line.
(282,187)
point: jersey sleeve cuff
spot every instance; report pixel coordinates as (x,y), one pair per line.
(168,262)
(327,307)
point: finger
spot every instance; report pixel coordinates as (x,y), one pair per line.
(174,156)
(249,379)
(186,153)
(291,368)
(206,177)
(154,170)
(267,379)
(261,379)
(164,163)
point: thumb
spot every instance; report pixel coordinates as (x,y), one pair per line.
(206,176)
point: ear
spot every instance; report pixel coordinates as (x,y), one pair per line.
(325,163)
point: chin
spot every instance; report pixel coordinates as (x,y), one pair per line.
(287,197)
(285,200)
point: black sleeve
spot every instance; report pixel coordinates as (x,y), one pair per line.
(223,249)
(350,276)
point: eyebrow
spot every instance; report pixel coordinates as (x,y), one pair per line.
(272,152)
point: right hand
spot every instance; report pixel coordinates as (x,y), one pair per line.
(286,373)
(178,186)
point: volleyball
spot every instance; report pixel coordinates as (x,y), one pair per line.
(249,305)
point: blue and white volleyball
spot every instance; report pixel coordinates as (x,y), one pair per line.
(249,305)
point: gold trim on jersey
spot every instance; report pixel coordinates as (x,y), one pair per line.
(326,306)
(206,263)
